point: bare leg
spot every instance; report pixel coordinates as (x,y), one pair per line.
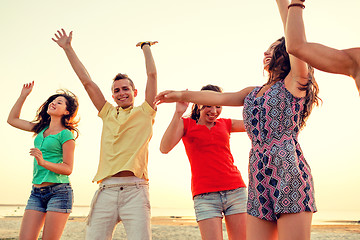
(295,226)
(31,224)
(259,229)
(54,225)
(211,229)
(236,226)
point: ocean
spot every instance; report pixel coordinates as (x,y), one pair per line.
(320,218)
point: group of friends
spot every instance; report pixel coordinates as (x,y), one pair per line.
(279,201)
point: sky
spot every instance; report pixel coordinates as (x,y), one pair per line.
(200,42)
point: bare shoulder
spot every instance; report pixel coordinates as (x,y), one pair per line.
(244,92)
(249,89)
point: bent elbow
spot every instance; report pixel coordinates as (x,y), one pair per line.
(67,172)
(291,48)
(294,48)
(152,74)
(11,122)
(164,150)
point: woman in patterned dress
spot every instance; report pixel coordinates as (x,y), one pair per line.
(281,192)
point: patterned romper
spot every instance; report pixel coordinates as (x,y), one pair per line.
(280,179)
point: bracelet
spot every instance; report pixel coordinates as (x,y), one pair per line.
(145,43)
(296,5)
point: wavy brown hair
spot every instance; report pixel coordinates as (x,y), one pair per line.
(195,110)
(42,118)
(279,67)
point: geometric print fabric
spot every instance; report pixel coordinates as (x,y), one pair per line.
(280,179)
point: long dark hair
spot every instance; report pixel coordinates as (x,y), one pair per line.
(42,118)
(279,67)
(195,110)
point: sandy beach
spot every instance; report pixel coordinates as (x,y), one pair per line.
(165,228)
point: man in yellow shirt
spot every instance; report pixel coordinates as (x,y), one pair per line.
(123,193)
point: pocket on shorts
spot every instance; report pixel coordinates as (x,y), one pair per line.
(62,198)
(145,193)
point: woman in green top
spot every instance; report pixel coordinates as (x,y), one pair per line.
(51,198)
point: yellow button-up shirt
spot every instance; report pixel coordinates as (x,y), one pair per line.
(125,139)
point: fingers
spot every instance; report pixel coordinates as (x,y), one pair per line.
(28,85)
(60,34)
(161,97)
(35,152)
(158,102)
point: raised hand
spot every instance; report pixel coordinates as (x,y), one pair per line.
(181,107)
(146,42)
(62,39)
(27,88)
(167,96)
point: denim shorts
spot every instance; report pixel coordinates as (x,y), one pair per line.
(219,204)
(55,198)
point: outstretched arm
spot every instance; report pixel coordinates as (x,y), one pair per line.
(175,130)
(151,84)
(324,58)
(210,98)
(95,94)
(299,70)
(14,115)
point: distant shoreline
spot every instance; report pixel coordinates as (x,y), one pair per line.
(16,211)
(183,220)
(23,205)
(173,227)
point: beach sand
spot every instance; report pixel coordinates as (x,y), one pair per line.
(168,228)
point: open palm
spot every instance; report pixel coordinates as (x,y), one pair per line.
(62,39)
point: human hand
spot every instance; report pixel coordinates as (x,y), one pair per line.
(146,42)
(37,154)
(27,88)
(62,39)
(167,96)
(181,107)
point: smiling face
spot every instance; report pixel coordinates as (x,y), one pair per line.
(209,114)
(123,93)
(268,54)
(58,107)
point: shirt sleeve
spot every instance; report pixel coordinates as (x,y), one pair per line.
(105,110)
(186,122)
(148,109)
(66,135)
(228,123)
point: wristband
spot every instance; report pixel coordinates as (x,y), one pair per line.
(145,43)
(296,5)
